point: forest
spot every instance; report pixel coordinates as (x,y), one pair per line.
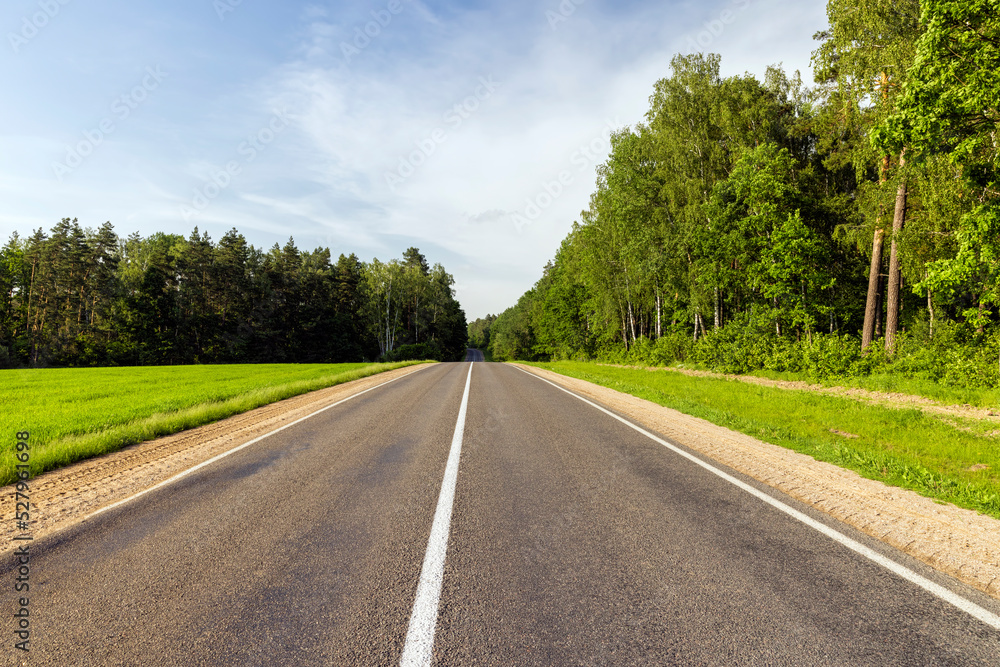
(84,297)
(845,228)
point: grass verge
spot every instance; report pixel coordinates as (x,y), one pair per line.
(886,382)
(904,448)
(73,414)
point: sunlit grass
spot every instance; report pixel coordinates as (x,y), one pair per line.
(75,413)
(890,383)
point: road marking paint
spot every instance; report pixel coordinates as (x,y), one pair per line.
(223,455)
(971,608)
(418,649)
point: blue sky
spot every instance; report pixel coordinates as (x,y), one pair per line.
(468,129)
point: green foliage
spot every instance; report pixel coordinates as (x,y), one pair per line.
(512,336)
(674,346)
(734,229)
(411,302)
(956,357)
(479,332)
(417,352)
(80,297)
(759,232)
(949,103)
(866,52)
(949,107)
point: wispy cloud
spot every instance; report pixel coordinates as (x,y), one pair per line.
(359,118)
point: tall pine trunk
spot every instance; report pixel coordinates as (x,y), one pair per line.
(631,319)
(718,311)
(892,298)
(871,305)
(872,302)
(930,308)
(659,331)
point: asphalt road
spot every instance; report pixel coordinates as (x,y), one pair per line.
(574,540)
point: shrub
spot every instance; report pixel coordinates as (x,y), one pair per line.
(415,352)
(954,356)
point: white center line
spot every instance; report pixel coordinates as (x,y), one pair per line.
(418,649)
(937,590)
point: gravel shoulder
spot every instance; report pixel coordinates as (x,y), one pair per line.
(956,541)
(66,496)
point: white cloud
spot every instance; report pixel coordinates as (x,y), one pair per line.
(364,123)
(324,179)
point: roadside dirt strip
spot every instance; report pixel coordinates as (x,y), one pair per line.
(956,541)
(64,497)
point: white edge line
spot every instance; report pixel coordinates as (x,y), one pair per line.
(971,608)
(226,453)
(419,645)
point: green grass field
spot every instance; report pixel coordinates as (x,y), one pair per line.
(75,413)
(904,448)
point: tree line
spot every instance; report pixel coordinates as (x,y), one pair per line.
(866,207)
(76,296)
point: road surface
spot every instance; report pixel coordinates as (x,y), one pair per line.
(571,539)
